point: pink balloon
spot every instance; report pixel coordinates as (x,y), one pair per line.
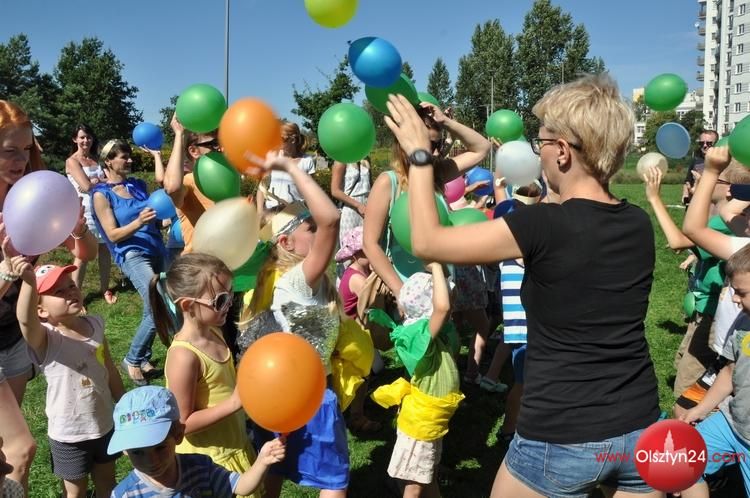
(40,211)
(454,189)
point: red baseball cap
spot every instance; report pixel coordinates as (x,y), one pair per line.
(48,275)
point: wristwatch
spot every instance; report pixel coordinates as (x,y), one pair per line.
(421,157)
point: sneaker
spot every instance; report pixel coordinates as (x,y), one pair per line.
(492,386)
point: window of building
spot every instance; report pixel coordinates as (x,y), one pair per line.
(738,88)
(741,9)
(741,29)
(740,48)
(729,74)
(738,68)
(737,107)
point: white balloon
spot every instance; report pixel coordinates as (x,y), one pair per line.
(517,163)
(229,231)
(649,160)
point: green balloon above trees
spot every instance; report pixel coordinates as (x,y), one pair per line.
(504,125)
(665,92)
(200,108)
(346,132)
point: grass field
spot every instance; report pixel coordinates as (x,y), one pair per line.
(471,453)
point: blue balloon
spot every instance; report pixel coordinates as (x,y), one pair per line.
(673,140)
(375,61)
(175,232)
(148,135)
(160,202)
(479,174)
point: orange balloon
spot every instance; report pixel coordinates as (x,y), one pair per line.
(281,381)
(248,130)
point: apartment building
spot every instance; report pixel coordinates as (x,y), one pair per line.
(724,61)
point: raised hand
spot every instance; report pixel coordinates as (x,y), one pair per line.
(272,452)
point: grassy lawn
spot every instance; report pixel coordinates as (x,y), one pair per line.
(471,453)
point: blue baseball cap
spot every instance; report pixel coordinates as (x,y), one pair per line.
(143,418)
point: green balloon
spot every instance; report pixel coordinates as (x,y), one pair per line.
(403,86)
(215,178)
(739,144)
(346,132)
(722,142)
(426,97)
(466,216)
(246,276)
(665,92)
(401,225)
(200,108)
(688,304)
(504,125)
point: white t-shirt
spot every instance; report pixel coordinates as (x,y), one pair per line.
(283,187)
(726,310)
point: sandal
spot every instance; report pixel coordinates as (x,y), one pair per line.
(128,368)
(364,424)
(110,296)
(150,371)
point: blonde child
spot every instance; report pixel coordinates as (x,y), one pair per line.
(82,381)
(147,429)
(199,367)
(293,283)
(426,342)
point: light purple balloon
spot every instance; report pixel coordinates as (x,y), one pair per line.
(40,211)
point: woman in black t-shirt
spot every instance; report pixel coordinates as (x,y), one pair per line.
(589,385)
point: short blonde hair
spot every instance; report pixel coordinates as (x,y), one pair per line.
(736,173)
(590,113)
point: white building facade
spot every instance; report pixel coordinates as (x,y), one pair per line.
(724,61)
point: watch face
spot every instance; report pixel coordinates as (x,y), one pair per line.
(420,157)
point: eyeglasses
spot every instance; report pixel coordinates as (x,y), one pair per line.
(706,144)
(212,144)
(719,181)
(220,302)
(537,143)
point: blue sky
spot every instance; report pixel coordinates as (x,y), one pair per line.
(167,45)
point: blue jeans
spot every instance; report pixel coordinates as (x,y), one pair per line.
(574,470)
(140,268)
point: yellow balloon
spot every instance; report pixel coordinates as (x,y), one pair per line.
(331,13)
(229,231)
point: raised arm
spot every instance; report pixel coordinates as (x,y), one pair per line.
(479,243)
(675,238)
(173,173)
(109,223)
(375,225)
(477,147)
(734,214)
(695,225)
(441,302)
(26,308)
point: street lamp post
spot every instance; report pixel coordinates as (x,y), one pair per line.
(226,50)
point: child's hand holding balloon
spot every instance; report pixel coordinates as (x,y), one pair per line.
(272,452)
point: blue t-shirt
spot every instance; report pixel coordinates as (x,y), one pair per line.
(198,477)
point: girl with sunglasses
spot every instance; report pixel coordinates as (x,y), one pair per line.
(199,367)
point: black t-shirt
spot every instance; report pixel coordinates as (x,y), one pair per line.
(589,268)
(10,330)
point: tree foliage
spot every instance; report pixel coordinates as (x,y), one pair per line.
(439,84)
(551,50)
(311,104)
(408,71)
(166,114)
(491,58)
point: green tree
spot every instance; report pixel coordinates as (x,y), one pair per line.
(693,123)
(166,114)
(551,50)
(654,121)
(490,60)
(311,104)
(22,83)
(408,71)
(439,84)
(640,109)
(93,92)
(383,134)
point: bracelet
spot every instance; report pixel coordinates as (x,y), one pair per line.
(8,277)
(80,236)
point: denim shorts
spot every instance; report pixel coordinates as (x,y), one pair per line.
(572,470)
(15,361)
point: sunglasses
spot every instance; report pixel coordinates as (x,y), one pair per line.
(212,144)
(220,302)
(706,144)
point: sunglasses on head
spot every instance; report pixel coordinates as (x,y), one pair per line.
(220,302)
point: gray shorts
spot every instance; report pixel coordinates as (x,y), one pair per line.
(73,461)
(15,361)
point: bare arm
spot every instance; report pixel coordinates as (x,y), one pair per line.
(695,225)
(73,168)
(158,165)
(376,220)
(338,171)
(82,242)
(26,308)
(109,223)
(271,452)
(173,174)
(183,372)
(441,303)
(734,214)
(721,388)
(115,381)
(477,146)
(491,241)
(675,238)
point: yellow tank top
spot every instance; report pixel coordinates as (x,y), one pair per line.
(226,441)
